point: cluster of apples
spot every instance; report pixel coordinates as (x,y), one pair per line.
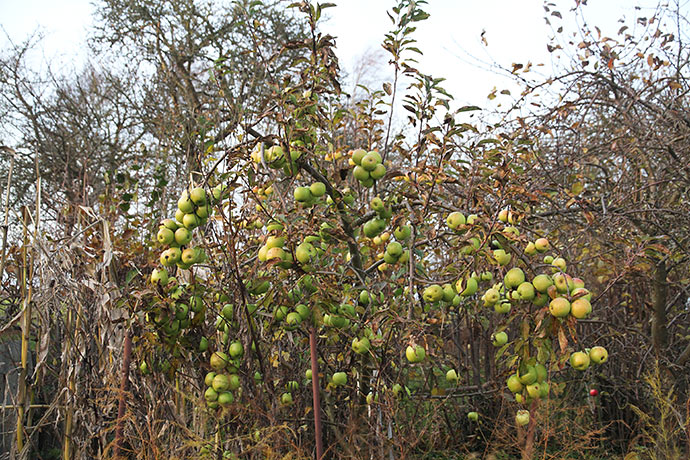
(223,380)
(273,249)
(367,167)
(308,195)
(185,310)
(275,157)
(193,211)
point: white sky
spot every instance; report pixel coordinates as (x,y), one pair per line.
(450,38)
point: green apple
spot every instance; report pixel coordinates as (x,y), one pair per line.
(293,319)
(275,254)
(377,204)
(189,256)
(286,399)
(470,287)
(563,282)
(236,350)
(501,257)
(233,382)
(559,264)
(522,417)
(433,293)
(527,374)
(394,249)
(378,172)
(503,215)
(598,355)
(530,249)
(302,194)
(525,291)
(451,376)
(219,361)
(502,307)
(303,311)
(183,236)
(514,384)
(559,307)
(364,297)
(448,293)
(339,378)
(370,160)
(579,360)
(220,382)
(305,253)
(402,232)
(360,174)
(541,244)
(499,339)
(580,292)
(415,354)
(534,390)
(190,221)
(225,398)
(208,380)
(361,346)
(357,156)
(455,220)
(472,416)
(159,276)
(317,189)
(275,242)
(541,372)
(202,212)
(542,282)
(210,395)
(185,204)
(491,296)
(165,236)
(170,225)
(514,278)
(198,196)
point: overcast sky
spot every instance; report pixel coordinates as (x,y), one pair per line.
(515,31)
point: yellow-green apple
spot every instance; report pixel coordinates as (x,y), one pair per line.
(339,378)
(541,244)
(522,417)
(455,220)
(542,282)
(514,278)
(499,339)
(580,308)
(598,355)
(579,360)
(318,189)
(433,293)
(526,291)
(514,384)
(159,276)
(501,257)
(559,307)
(198,196)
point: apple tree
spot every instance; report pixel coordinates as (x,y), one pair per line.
(352,277)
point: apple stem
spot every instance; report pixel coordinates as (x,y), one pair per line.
(315,391)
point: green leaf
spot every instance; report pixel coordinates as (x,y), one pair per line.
(130,275)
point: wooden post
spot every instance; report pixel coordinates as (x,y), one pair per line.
(316,397)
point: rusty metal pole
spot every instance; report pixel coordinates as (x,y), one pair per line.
(126,360)
(315,391)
